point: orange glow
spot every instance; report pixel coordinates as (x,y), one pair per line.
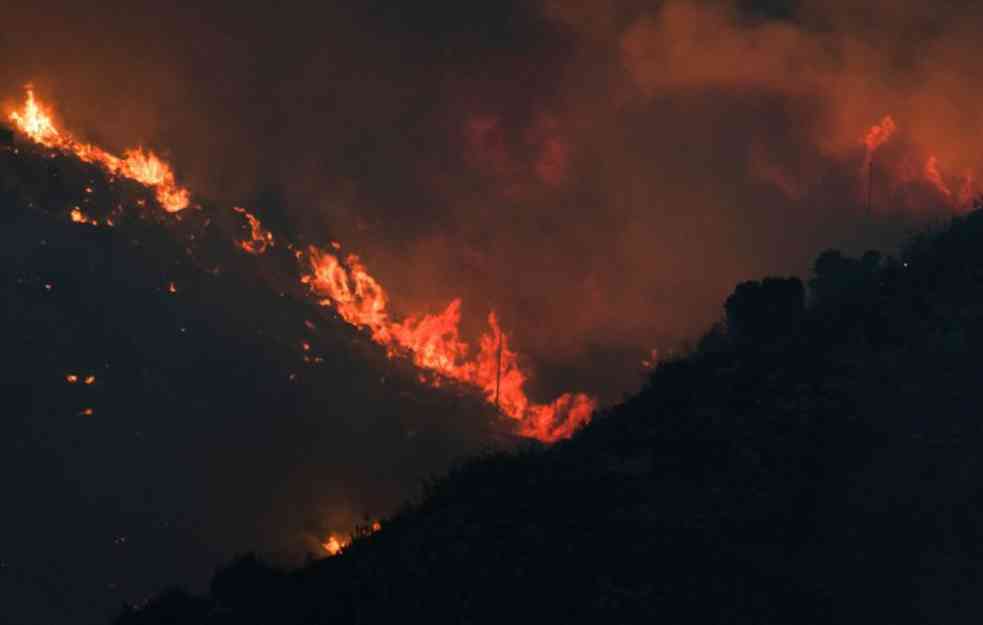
(335,544)
(35,121)
(434,343)
(260,238)
(71,378)
(934,176)
(878,134)
(90,379)
(87,412)
(77,216)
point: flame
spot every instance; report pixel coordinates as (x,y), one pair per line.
(35,121)
(260,238)
(89,379)
(434,343)
(334,544)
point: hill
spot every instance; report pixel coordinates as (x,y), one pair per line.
(815,459)
(170,401)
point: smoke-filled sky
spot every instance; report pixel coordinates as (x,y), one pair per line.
(602,173)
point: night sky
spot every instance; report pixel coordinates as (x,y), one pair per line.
(599,173)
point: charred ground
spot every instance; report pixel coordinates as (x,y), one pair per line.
(813,460)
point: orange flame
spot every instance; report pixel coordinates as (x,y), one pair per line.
(334,544)
(260,238)
(145,167)
(434,343)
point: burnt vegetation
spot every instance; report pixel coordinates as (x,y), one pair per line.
(815,459)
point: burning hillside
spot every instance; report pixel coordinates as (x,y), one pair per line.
(433,342)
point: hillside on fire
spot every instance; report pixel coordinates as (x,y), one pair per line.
(814,459)
(171,400)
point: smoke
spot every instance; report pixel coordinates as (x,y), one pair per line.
(601,173)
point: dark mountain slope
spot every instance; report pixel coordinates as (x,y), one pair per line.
(812,461)
(207,428)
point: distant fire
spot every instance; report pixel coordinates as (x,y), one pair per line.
(433,341)
(336,543)
(930,173)
(143,166)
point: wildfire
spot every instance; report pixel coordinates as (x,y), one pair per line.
(145,167)
(260,238)
(433,341)
(907,173)
(336,543)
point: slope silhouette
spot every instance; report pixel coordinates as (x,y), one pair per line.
(170,401)
(815,459)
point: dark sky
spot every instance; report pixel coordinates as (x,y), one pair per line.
(602,173)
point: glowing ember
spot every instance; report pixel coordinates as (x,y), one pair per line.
(434,343)
(90,380)
(71,378)
(171,288)
(260,238)
(145,167)
(77,216)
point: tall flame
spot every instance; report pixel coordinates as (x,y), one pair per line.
(143,166)
(434,343)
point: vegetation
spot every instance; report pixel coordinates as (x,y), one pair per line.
(814,460)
